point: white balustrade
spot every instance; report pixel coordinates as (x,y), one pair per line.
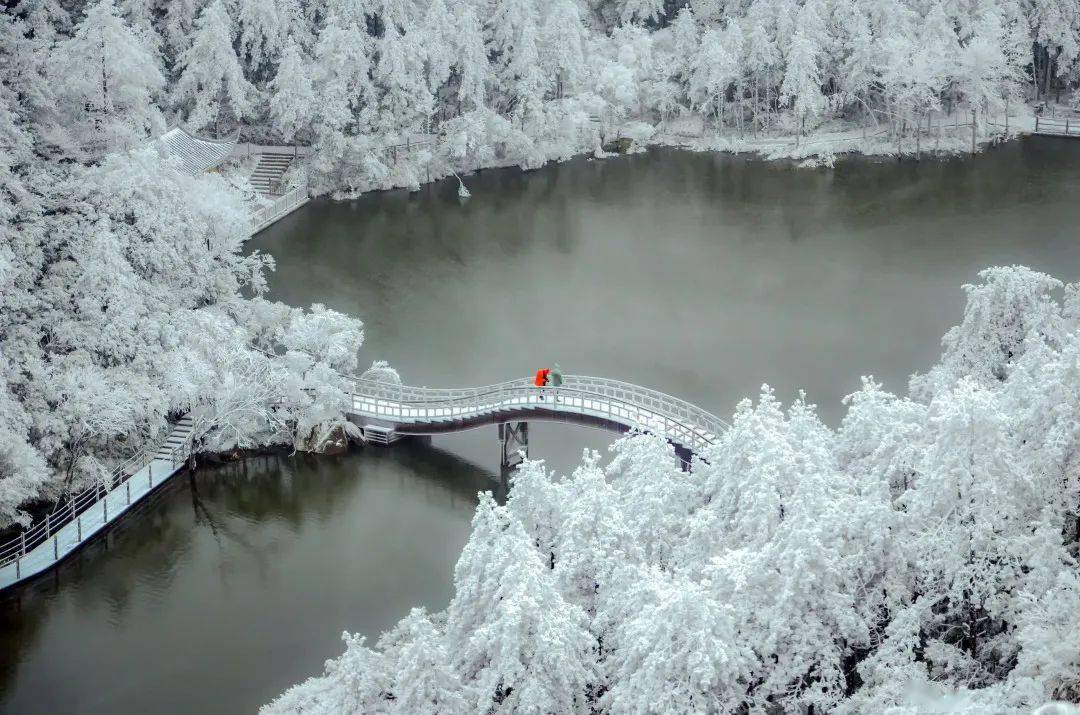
(631,406)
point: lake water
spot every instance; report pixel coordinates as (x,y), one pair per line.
(700,275)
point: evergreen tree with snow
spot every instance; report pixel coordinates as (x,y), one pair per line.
(562,46)
(292,98)
(506,604)
(211,86)
(405,101)
(801,88)
(472,61)
(107,79)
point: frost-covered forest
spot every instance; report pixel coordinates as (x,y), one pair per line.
(925,548)
(480,82)
(119,276)
(124,300)
(921,556)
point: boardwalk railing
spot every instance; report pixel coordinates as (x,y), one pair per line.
(96,498)
(1065,127)
(282,205)
(619,402)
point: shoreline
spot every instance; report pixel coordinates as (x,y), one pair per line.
(947,136)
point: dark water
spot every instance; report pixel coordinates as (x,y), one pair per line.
(703,276)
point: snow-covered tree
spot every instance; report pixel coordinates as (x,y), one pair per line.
(1012,309)
(424,681)
(801,88)
(642,10)
(405,102)
(472,63)
(265,29)
(211,85)
(292,99)
(506,605)
(107,80)
(562,46)
(713,71)
(439,46)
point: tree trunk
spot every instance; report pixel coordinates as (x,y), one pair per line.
(1046,74)
(918,138)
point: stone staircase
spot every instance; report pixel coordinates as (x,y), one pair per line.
(177,443)
(267,177)
(378,434)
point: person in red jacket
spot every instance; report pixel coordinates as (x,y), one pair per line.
(541,378)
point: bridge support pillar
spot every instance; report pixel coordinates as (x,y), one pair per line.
(514,439)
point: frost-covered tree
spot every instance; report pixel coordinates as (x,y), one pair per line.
(107,79)
(405,101)
(1012,309)
(380,371)
(514,35)
(562,46)
(505,607)
(179,24)
(472,63)
(713,71)
(439,46)
(424,681)
(360,680)
(265,29)
(211,86)
(641,10)
(292,99)
(801,88)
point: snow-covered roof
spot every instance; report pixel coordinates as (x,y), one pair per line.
(195,154)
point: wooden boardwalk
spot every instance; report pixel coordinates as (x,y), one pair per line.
(78,519)
(1058,126)
(385,412)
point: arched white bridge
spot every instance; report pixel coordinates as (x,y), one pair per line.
(386,411)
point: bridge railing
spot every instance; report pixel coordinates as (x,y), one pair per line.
(71,509)
(622,402)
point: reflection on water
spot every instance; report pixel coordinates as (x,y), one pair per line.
(697,274)
(230,586)
(700,275)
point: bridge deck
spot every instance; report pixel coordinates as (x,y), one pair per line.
(606,403)
(48,541)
